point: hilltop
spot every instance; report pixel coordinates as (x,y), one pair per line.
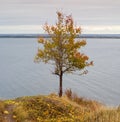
(51,108)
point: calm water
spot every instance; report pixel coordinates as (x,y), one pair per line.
(20,76)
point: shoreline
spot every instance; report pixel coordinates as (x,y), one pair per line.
(112,36)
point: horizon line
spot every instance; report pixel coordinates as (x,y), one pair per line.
(35,35)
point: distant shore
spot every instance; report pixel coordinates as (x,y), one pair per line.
(115,36)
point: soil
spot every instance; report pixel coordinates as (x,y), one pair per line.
(9,117)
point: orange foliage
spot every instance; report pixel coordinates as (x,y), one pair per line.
(63,50)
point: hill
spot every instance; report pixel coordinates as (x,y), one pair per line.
(51,108)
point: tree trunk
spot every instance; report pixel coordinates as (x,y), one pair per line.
(60,84)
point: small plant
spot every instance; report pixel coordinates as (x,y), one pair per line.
(68,93)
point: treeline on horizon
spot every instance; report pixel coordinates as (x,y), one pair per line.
(116,36)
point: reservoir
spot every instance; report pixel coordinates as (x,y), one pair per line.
(20,76)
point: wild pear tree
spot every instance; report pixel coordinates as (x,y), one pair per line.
(62,49)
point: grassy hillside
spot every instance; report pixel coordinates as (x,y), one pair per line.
(51,108)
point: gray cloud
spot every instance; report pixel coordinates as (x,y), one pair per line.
(23,12)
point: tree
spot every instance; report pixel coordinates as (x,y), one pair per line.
(62,50)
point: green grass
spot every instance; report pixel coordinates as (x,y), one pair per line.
(51,108)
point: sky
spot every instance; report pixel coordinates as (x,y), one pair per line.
(28,16)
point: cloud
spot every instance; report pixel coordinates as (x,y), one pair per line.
(29,29)
(23,12)
(101,29)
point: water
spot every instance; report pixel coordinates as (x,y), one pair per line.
(20,76)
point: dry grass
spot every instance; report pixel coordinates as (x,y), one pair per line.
(51,108)
(89,104)
(2,108)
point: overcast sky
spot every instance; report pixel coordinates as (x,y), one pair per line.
(87,13)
